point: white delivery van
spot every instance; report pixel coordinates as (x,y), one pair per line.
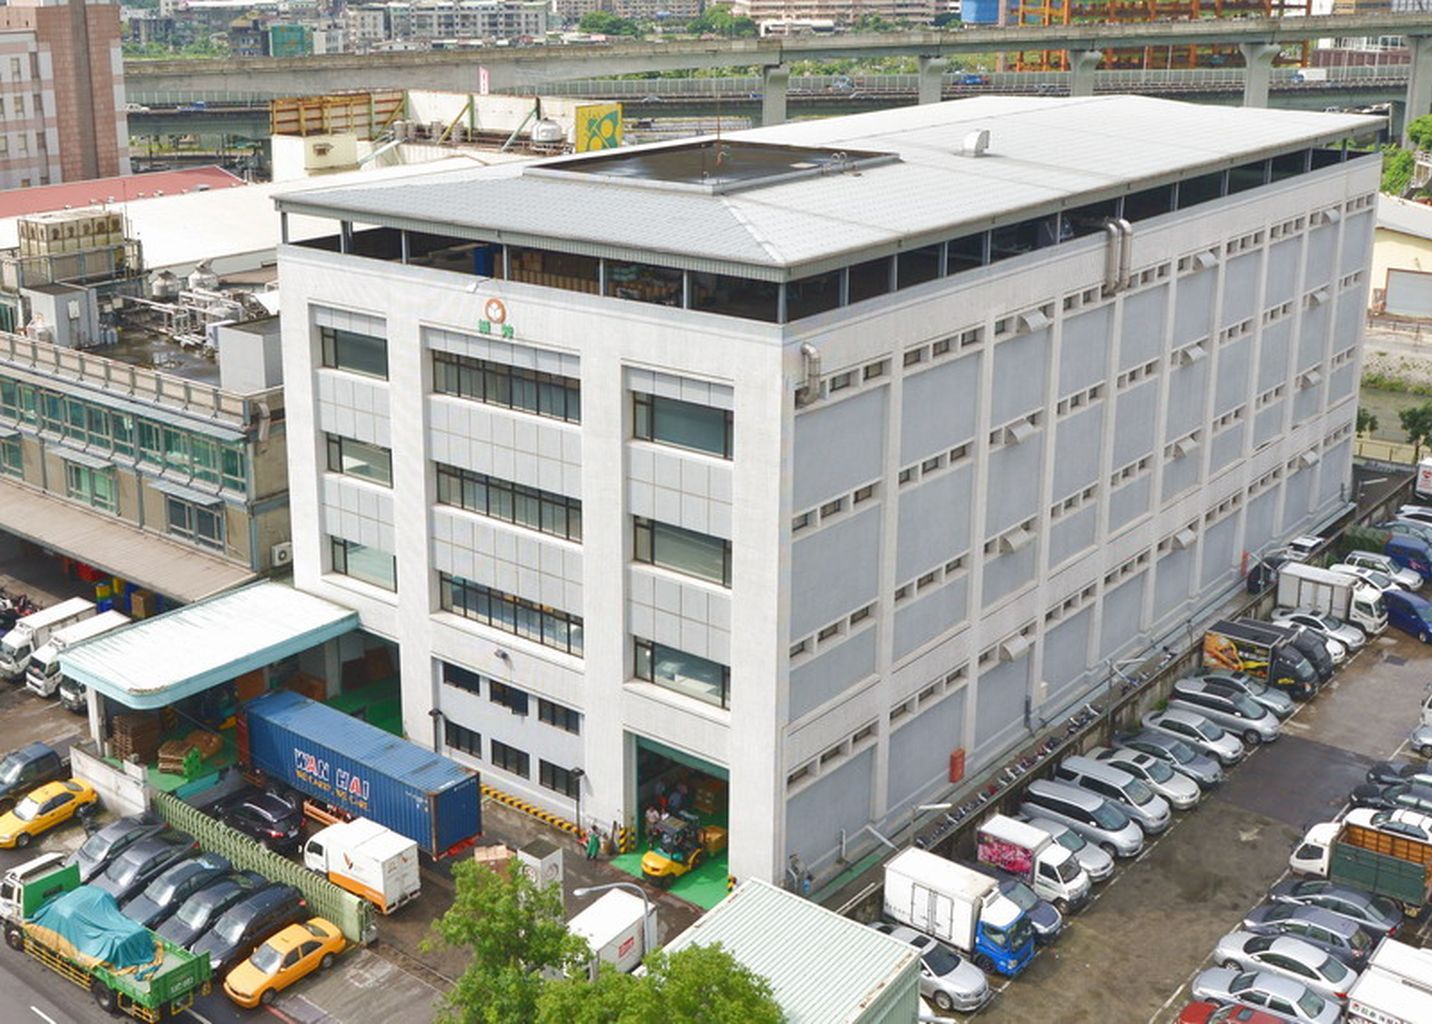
(43,675)
(1333,593)
(1033,855)
(618,930)
(1394,988)
(34,630)
(368,860)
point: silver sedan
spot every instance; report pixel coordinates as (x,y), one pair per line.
(1280,996)
(1293,958)
(946,979)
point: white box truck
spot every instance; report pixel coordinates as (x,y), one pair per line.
(1394,988)
(368,860)
(1333,593)
(34,630)
(43,674)
(958,906)
(618,930)
(1036,859)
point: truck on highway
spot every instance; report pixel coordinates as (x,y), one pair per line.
(1353,851)
(959,907)
(368,860)
(619,930)
(43,674)
(1394,988)
(351,769)
(1334,593)
(1032,854)
(35,629)
(79,933)
(1230,647)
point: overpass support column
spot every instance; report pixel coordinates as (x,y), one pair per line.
(1419,82)
(774,81)
(1082,65)
(932,79)
(1257,72)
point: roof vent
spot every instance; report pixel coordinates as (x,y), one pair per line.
(976,142)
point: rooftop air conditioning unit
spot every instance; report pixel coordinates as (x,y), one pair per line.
(282,554)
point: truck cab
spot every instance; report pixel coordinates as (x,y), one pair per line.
(12,887)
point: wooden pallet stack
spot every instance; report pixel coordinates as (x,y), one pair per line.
(136,734)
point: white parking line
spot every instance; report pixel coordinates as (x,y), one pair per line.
(43,1015)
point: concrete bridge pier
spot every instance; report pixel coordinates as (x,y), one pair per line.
(1082,65)
(1257,72)
(775,80)
(932,79)
(1419,84)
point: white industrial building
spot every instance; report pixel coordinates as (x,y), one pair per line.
(807,457)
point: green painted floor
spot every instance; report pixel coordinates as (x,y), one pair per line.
(705,886)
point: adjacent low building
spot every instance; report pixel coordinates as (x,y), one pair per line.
(799,470)
(1401,278)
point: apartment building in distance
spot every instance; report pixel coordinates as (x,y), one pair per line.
(62,114)
(842,12)
(793,463)
(369,25)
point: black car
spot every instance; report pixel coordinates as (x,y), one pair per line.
(1414,796)
(1385,773)
(275,821)
(241,928)
(24,769)
(203,908)
(139,865)
(100,849)
(173,886)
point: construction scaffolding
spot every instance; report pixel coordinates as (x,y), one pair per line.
(1131,12)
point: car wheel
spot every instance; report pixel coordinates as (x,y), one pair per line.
(326,962)
(1426,751)
(14,938)
(1062,906)
(1422,636)
(23,840)
(943,1002)
(1232,965)
(267,997)
(1109,849)
(1251,737)
(104,997)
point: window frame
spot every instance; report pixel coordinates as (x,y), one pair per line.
(559,716)
(647,408)
(549,775)
(331,355)
(647,542)
(511,614)
(340,544)
(557,515)
(504,756)
(189,530)
(646,656)
(335,444)
(455,734)
(549,395)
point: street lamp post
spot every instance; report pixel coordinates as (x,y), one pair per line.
(578,775)
(648,939)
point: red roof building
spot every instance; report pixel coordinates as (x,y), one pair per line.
(16,202)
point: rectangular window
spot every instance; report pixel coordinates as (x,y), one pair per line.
(357,458)
(700,428)
(94,487)
(511,387)
(357,353)
(686,673)
(11,460)
(916,266)
(460,737)
(463,679)
(370,565)
(550,627)
(811,295)
(563,718)
(510,759)
(486,495)
(510,697)
(196,523)
(559,779)
(735,296)
(683,551)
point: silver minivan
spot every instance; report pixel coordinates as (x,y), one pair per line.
(1134,797)
(1234,710)
(1102,822)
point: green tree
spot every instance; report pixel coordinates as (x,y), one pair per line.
(1419,132)
(1366,421)
(1397,165)
(607,24)
(514,930)
(1417,421)
(697,985)
(719,21)
(872,23)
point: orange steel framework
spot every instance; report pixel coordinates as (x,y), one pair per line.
(1129,12)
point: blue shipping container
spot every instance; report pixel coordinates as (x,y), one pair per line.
(359,768)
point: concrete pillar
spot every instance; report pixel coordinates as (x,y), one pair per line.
(1082,64)
(932,79)
(1257,72)
(774,81)
(1419,82)
(1396,119)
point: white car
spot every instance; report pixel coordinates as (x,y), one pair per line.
(1179,790)
(1402,822)
(1417,513)
(1401,575)
(1372,577)
(1345,633)
(1199,733)
(1293,958)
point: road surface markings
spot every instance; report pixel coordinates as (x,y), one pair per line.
(43,1015)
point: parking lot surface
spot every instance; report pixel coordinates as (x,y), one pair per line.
(1129,956)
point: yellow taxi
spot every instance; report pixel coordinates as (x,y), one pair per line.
(293,953)
(42,809)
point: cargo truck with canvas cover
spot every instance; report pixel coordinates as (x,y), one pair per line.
(1358,851)
(79,933)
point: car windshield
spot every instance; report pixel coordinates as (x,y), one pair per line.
(1068,871)
(1385,907)
(1138,792)
(998,936)
(940,960)
(26,809)
(1359,941)
(1333,970)
(1303,669)
(267,959)
(1379,580)
(1070,840)
(194,912)
(124,870)
(1249,708)
(94,847)
(1211,732)
(1158,771)
(1021,895)
(1109,817)
(13,650)
(10,768)
(1181,751)
(161,890)
(1330,621)
(1242,982)
(1310,1003)
(230,927)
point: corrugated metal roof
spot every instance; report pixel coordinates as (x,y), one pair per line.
(823,968)
(1043,153)
(183,652)
(1404,216)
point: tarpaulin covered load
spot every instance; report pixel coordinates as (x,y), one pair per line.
(86,926)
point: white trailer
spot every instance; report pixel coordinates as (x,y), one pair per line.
(618,930)
(34,629)
(1333,593)
(368,860)
(1394,988)
(43,675)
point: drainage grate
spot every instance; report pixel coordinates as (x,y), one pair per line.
(1393,659)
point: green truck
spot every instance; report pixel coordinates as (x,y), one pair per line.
(78,932)
(1360,852)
